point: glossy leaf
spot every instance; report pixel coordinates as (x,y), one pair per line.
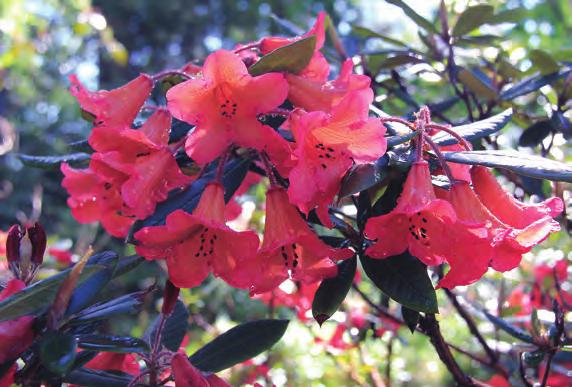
(411,318)
(292,58)
(126,304)
(87,291)
(475,130)
(239,344)
(81,146)
(403,278)
(532,84)
(93,378)
(54,162)
(515,15)
(472,18)
(399,60)
(363,176)
(509,328)
(543,62)
(174,330)
(418,19)
(535,133)
(393,141)
(367,33)
(476,84)
(37,298)
(102,343)
(126,264)
(332,291)
(57,352)
(522,164)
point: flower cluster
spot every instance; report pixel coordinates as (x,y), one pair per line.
(325,130)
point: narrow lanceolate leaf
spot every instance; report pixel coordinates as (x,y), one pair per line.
(367,33)
(411,317)
(393,141)
(126,304)
(37,298)
(418,19)
(53,162)
(515,15)
(80,146)
(292,58)
(239,344)
(333,291)
(522,164)
(174,330)
(532,84)
(112,344)
(472,18)
(93,378)
(363,176)
(544,62)
(403,278)
(476,84)
(535,133)
(475,130)
(57,352)
(399,60)
(508,328)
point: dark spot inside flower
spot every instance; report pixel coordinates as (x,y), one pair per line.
(197,254)
(107,186)
(295,263)
(423,231)
(330,149)
(424,220)
(324,166)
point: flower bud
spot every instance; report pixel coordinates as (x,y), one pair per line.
(15,235)
(170,296)
(37,237)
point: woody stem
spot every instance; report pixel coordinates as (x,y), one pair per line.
(440,158)
(269,169)
(454,134)
(398,120)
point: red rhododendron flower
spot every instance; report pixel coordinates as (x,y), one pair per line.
(511,211)
(224,105)
(289,249)
(94,199)
(233,208)
(15,335)
(186,375)
(115,109)
(315,95)
(545,273)
(7,379)
(63,257)
(327,146)
(420,222)
(318,68)
(198,243)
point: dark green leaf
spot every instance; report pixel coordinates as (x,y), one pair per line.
(403,278)
(508,328)
(543,62)
(126,304)
(187,199)
(523,164)
(86,292)
(37,298)
(393,141)
(367,33)
(363,176)
(443,106)
(561,124)
(81,146)
(476,84)
(57,352)
(411,317)
(292,58)
(475,130)
(53,162)
(515,15)
(535,133)
(103,343)
(532,84)
(93,378)
(478,40)
(239,344)
(472,18)
(333,291)
(174,330)
(418,19)
(399,60)
(126,264)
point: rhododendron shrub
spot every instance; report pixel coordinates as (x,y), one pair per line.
(338,181)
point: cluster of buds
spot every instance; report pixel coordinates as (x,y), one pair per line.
(25,247)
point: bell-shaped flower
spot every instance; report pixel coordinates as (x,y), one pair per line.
(510,210)
(290,249)
(115,109)
(186,375)
(315,95)
(224,104)
(15,335)
(420,222)
(327,146)
(198,243)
